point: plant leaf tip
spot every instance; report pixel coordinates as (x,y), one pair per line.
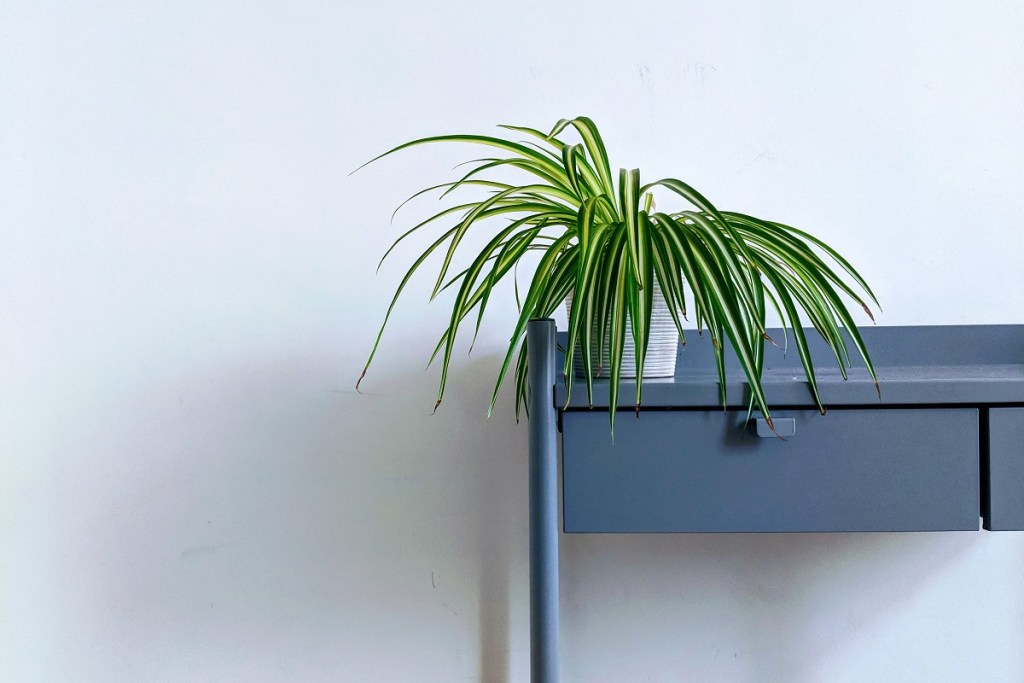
(362,165)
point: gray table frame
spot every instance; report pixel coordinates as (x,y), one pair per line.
(979,365)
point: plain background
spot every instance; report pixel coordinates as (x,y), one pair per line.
(190,489)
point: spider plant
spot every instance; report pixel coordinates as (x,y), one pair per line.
(601,238)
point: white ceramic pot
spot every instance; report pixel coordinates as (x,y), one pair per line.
(662,345)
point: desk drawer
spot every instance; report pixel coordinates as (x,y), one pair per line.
(1005,484)
(701,471)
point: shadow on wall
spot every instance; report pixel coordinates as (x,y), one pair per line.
(475,493)
(261,521)
(750,606)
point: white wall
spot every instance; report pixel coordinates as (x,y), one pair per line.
(191,490)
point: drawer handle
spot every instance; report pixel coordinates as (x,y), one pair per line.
(784,426)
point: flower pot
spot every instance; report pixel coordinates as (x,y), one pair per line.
(662,345)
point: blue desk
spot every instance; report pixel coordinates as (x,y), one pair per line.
(942,448)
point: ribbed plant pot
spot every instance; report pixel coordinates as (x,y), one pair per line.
(662,345)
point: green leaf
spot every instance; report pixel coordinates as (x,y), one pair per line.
(798,334)
(540,161)
(667,269)
(541,275)
(595,146)
(482,210)
(629,205)
(593,238)
(394,299)
(617,336)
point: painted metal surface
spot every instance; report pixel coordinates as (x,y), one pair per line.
(972,367)
(540,340)
(784,427)
(959,364)
(1005,471)
(701,471)
(942,445)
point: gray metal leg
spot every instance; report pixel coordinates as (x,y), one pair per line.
(540,340)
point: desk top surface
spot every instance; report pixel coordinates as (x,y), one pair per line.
(922,365)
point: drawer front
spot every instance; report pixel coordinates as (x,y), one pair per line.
(1005,470)
(702,471)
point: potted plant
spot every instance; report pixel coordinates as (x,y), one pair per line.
(601,241)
